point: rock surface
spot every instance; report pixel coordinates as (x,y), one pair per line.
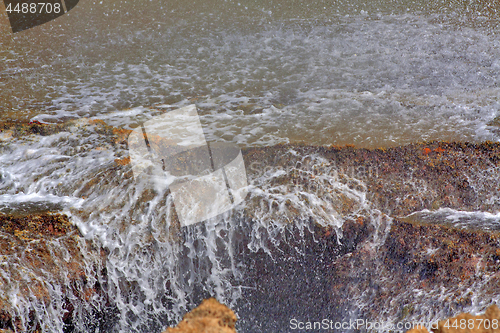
(402,180)
(393,260)
(397,267)
(49,247)
(210,317)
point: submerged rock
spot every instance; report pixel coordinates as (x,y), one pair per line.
(210,317)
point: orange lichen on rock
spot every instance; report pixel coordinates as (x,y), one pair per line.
(97,122)
(121,135)
(210,317)
(489,322)
(123,161)
(36,226)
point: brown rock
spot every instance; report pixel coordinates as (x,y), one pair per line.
(38,226)
(473,324)
(210,317)
(47,246)
(457,260)
(489,322)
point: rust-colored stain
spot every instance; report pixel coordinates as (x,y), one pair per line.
(97,122)
(123,161)
(427,150)
(360,220)
(121,134)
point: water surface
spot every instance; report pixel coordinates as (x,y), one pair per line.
(382,73)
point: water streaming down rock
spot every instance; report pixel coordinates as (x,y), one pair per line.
(313,223)
(416,271)
(154,268)
(323,220)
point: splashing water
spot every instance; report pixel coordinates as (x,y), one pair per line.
(378,73)
(156,270)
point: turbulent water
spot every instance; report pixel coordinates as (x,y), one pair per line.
(155,269)
(373,74)
(382,73)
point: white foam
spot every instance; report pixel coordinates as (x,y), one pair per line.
(39,197)
(371,81)
(463,219)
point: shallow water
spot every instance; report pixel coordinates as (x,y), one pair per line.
(477,220)
(378,74)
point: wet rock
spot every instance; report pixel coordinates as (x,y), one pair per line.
(417,264)
(20,129)
(440,254)
(385,265)
(495,122)
(210,317)
(402,180)
(5,331)
(36,226)
(48,246)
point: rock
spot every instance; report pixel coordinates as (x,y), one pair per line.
(418,264)
(387,262)
(49,247)
(402,180)
(210,317)
(31,227)
(489,322)
(495,122)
